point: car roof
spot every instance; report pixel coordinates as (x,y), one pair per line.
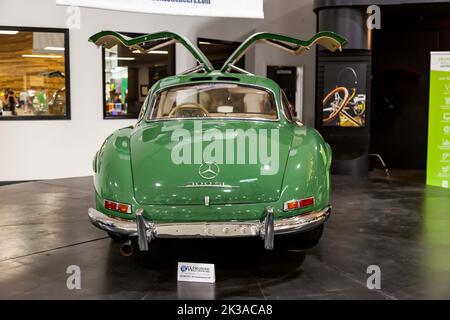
(217,76)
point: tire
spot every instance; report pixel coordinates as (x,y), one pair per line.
(302,240)
(117,237)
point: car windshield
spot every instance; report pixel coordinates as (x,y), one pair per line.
(214,100)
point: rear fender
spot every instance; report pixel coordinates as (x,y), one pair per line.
(307,170)
(113,176)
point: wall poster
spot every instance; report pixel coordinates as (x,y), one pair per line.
(344,96)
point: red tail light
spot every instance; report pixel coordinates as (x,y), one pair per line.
(116,206)
(298,204)
(307,202)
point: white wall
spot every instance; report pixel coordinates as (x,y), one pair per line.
(56,149)
(299,22)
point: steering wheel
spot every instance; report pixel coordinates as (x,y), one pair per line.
(187,106)
(338,104)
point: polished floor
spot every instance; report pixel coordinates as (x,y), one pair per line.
(404,228)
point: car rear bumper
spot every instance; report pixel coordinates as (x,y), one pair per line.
(295,224)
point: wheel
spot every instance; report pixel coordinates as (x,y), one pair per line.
(117,237)
(302,240)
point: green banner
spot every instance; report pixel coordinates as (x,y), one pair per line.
(438,158)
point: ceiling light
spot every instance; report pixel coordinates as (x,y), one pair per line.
(54,48)
(159,52)
(119,58)
(204,42)
(41,56)
(153,52)
(9,32)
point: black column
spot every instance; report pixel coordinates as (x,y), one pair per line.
(348,138)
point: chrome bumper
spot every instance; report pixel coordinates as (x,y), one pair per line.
(266,228)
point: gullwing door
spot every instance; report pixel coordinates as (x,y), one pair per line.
(150,42)
(326,39)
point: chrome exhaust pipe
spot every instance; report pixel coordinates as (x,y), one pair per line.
(126,249)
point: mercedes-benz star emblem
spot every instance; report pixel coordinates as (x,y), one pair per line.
(208,171)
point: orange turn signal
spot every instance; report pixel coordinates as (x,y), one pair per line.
(124,208)
(291,205)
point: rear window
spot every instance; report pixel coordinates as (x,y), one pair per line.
(214,100)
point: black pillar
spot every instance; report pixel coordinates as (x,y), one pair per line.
(349,140)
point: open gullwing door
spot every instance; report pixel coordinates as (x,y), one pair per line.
(150,42)
(327,39)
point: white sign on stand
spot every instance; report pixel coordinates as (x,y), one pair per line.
(196,272)
(209,8)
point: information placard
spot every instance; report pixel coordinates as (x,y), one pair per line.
(438,157)
(196,272)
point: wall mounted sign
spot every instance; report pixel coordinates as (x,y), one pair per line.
(209,8)
(438,157)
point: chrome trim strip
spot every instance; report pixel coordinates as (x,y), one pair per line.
(302,222)
(104,222)
(209,186)
(299,223)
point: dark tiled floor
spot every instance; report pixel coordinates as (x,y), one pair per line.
(404,228)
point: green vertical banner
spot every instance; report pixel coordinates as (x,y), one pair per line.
(438,158)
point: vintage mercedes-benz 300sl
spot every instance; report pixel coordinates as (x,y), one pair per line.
(214,153)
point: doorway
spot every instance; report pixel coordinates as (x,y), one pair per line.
(290,80)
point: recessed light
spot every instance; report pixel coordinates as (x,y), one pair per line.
(41,56)
(159,52)
(54,48)
(153,52)
(12,32)
(119,58)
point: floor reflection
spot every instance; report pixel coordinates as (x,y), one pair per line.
(401,226)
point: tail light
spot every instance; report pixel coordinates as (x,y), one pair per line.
(307,202)
(298,204)
(290,205)
(117,206)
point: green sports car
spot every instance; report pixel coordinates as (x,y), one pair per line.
(214,153)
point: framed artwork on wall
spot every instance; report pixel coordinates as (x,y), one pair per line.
(144,90)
